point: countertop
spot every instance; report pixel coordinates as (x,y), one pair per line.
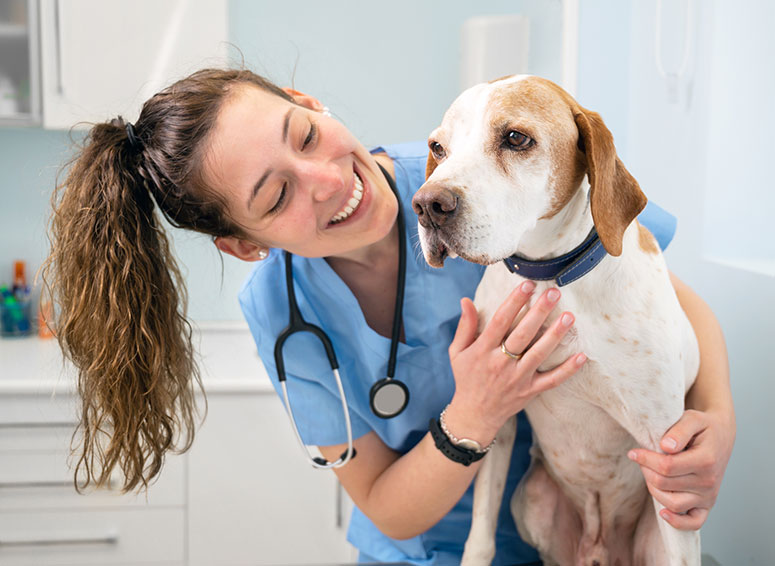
(227,358)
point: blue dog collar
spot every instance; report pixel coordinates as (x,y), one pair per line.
(564,269)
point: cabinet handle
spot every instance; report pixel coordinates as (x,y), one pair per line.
(114,483)
(58,42)
(107,539)
(339,509)
(40,424)
(23,484)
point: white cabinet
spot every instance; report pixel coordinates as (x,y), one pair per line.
(242,495)
(43,520)
(253,499)
(98,59)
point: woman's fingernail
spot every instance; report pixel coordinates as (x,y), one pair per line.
(670,443)
(553,295)
(566,319)
(632,455)
(664,515)
(580,359)
(528,286)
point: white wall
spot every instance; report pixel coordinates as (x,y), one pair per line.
(706,158)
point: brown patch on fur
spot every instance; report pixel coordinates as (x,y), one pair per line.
(577,143)
(430,165)
(542,110)
(606,317)
(646,240)
(504,77)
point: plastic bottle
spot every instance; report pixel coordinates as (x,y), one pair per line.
(19,288)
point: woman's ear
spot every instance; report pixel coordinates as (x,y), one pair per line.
(241,249)
(305,100)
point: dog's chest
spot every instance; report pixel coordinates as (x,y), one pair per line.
(633,332)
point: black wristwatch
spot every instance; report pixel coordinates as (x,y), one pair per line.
(456,453)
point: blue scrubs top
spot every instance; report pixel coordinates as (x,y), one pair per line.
(431,312)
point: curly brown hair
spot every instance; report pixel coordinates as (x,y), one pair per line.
(120,297)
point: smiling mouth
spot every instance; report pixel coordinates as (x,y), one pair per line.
(352,204)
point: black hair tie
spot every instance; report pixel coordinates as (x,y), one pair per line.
(134,141)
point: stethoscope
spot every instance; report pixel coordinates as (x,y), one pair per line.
(388,397)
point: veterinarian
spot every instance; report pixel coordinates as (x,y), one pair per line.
(263,171)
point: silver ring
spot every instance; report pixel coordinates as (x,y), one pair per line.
(513,356)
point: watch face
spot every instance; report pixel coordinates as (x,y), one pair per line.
(469,444)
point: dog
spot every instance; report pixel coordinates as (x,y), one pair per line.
(519,169)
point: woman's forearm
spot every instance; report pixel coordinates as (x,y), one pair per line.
(418,490)
(711,390)
(405,495)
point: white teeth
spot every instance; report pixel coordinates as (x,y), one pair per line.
(352,204)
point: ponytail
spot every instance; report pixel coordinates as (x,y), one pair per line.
(119,295)
(120,302)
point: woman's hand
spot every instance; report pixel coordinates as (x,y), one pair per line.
(490,386)
(687,479)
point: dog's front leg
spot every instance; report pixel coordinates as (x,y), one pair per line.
(488,494)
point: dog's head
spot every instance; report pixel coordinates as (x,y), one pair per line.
(509,154)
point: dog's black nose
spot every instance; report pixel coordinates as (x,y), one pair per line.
(434,205)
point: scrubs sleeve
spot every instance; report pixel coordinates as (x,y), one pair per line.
(659,222)
(312,390)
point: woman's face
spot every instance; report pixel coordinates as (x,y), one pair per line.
(294,178)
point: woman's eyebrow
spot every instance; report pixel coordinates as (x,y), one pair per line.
(262,180)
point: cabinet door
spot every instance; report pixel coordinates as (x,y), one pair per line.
(101,59)
(252,498)
(19,57)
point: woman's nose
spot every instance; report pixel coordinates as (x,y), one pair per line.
(323,179)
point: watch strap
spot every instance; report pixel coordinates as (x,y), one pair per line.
(455,453)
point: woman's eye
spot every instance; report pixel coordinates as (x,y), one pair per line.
(437,150)
(518,140)
(310,136)
(280,198)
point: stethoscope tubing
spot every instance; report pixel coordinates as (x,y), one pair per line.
(321,463)
(298,324)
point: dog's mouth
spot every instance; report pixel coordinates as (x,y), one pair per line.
(435,249)
(438,246)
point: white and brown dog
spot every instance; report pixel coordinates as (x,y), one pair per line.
(519,168)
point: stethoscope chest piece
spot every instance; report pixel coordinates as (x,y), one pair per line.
(388,397)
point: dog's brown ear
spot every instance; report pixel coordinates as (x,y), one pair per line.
(430,165)
(616,198)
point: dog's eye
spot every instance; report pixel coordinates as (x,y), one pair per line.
(517,140)
(437,150)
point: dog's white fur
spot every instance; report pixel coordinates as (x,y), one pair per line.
(582,502)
